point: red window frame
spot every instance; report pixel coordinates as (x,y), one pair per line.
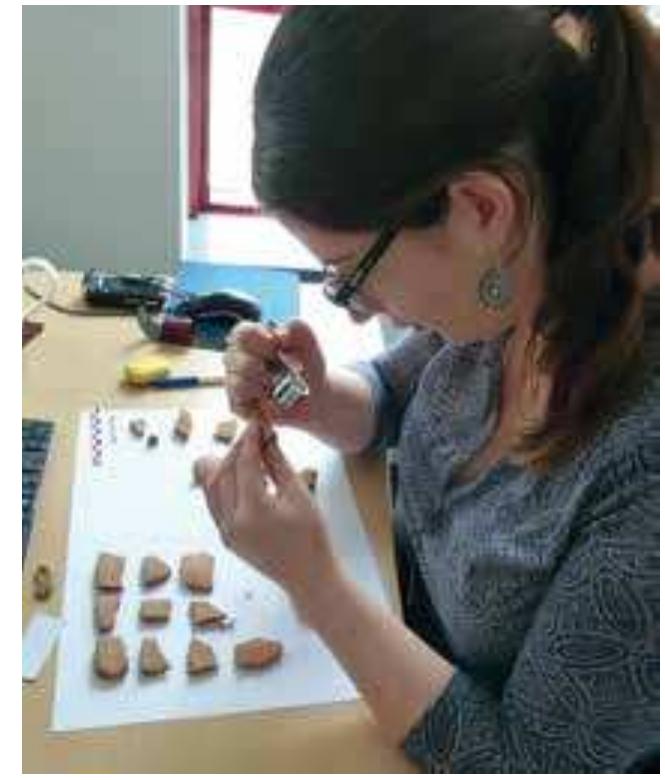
(199,41)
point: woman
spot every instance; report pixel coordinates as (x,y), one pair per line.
(485,174)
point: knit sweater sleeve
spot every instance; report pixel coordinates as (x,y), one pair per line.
(393,378)
(583,693)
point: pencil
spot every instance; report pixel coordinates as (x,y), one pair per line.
(183,382)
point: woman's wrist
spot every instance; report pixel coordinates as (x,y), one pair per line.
(319,598)
(322,408)
(342,414)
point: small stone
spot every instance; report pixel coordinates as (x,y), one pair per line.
(155,611)
(203,614)
(183,425)
(152,662)
(257,653)
(196,572)
(137,428)
(200,658)
(110,659)
(109,571)
(154,571)
(42,583)
(106,609)
(225,431)
(152,441)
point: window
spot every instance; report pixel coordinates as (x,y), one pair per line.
(653,12)
(226,44)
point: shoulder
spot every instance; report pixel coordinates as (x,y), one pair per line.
(625,450)
(412,348)
(618,473)
(628,444)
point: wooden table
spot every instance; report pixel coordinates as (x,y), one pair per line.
(74,364)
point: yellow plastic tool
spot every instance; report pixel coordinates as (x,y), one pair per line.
(143,370)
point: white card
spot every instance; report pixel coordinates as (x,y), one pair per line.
(134,501)
(38,641)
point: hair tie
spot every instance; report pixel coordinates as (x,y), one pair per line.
(573,25)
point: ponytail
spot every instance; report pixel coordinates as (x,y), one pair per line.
(603,192)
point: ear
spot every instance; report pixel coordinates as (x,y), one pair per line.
(487,206)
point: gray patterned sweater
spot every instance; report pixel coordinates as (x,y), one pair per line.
(543,590)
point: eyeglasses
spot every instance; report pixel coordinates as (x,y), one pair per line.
(341,289)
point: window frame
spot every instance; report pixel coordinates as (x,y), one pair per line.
(199,34)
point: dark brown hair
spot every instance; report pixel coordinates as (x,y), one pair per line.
(362,111)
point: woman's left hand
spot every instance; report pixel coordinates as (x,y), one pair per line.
(279,531)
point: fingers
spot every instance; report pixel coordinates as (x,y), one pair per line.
(205,470)
(253,339)
(297,335)
(217,478)
(298,340)
(250,468)
(210,476)
(247,364)
(245,394)
(251,349)
(280,469)
(236,484)
(246,409)
(250,360)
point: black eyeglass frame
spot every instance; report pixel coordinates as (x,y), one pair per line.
(348,286)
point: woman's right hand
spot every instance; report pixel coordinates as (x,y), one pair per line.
(252,348)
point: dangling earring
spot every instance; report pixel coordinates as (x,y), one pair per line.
(494,289)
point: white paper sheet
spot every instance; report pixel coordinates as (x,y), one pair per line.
(133,501)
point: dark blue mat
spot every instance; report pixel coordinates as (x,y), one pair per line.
(276,290)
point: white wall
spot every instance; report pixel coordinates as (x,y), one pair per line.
(102,136)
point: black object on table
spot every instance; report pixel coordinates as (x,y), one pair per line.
(37,435)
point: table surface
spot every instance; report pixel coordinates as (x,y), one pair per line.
(75,364)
